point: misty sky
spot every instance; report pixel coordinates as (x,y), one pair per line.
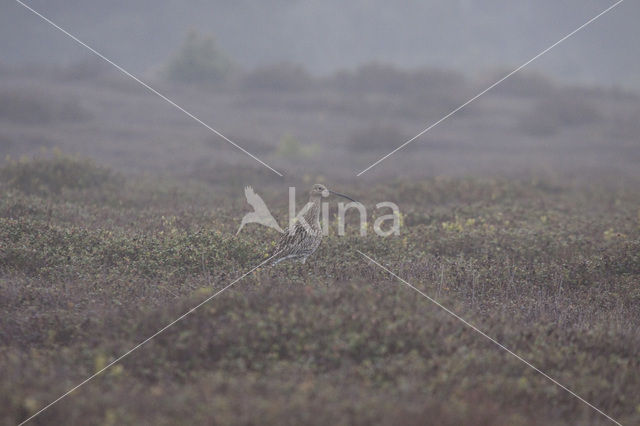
(471,36)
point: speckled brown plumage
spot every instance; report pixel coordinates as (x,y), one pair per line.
(304,237)
(300,241)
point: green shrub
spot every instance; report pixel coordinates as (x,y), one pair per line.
(291,147)
(199,60)
(52,175)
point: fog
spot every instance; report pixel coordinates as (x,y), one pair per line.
(124,182)
(325,36)
(308,85)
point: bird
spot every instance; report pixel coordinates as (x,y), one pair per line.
(304,236)
(261,213)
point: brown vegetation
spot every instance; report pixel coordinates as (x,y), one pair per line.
(87,271)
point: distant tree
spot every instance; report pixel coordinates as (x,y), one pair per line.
(199,60)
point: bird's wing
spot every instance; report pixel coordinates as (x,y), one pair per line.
(255,200)
(289,242)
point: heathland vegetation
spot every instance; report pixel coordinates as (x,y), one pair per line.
(92,262)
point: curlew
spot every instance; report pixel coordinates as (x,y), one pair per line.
(300,240)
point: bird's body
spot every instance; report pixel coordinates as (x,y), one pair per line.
(304,236)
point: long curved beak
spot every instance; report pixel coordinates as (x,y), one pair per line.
(342,195)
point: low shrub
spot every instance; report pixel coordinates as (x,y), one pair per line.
(291,147)
(53,175)
(280,77)
(553,113)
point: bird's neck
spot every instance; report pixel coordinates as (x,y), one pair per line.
(313,214)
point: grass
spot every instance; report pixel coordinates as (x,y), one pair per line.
(92,262)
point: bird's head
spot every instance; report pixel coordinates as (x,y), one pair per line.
(319,190)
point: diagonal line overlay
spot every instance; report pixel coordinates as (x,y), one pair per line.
(145,85)
(198,120)
(500,345)
(139,345)
(492,86)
